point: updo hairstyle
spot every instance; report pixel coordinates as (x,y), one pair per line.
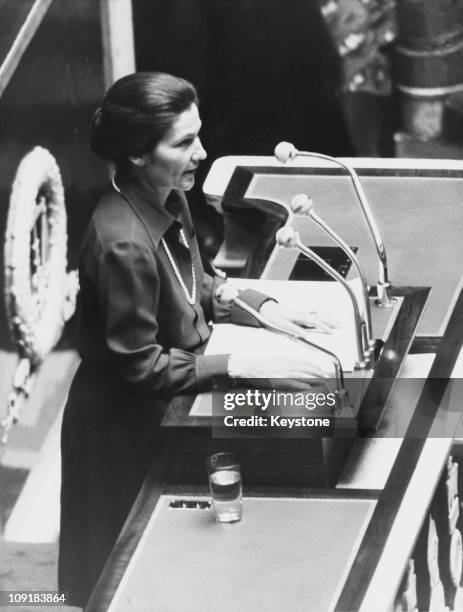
(137,112)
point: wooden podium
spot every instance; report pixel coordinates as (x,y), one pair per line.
(255,200)
(190,436)
(364,576)
(293,488)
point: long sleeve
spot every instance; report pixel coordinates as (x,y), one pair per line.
(129,293)
(230,314)
(133,316)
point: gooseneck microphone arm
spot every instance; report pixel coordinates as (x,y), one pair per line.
(226,294)
(285,151)
(303,205)
(288,237)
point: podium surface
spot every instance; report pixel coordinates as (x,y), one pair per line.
(188,562)
(360,527)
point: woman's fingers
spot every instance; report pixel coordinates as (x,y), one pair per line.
(274,367)
(309,371)
(292,319)
(316,322)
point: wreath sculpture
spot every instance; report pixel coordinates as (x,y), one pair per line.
(40,294)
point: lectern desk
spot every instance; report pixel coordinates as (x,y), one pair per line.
(394,479)
(365,558)
(189,436)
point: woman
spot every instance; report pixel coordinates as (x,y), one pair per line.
(142,317)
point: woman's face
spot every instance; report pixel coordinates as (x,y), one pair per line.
(173,162)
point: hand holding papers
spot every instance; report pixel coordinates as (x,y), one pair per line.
(248,366)
(289,366)
(295,318)
(320,297)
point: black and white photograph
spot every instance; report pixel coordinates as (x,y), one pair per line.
(231,321)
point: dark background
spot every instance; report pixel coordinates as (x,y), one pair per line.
(266,70)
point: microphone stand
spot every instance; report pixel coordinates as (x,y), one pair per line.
(342,399)
(288,237)
(302,204)
(384,287)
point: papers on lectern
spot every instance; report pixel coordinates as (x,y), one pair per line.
(325,297)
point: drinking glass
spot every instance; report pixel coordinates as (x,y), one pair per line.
(225,484)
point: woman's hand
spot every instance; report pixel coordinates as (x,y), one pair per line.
(293,319)
(242,366)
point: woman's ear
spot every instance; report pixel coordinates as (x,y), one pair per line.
(137,161)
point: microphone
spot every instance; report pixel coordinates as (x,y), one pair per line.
(286,151)
(303,205)
(227,294)
(288,237)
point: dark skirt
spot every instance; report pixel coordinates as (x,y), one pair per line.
(109,440)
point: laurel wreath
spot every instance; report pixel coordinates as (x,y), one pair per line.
(39,293)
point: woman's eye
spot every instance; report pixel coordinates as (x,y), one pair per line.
(186,143)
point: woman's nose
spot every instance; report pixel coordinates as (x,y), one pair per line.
(200,152)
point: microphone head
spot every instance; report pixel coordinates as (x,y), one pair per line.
(226,293)
(286,237)
(284,151)
(301,204)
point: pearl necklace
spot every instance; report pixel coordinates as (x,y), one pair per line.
(191,298)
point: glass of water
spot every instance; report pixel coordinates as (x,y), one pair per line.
(225,483)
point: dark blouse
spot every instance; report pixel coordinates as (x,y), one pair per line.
(133,315)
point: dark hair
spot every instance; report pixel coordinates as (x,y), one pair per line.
(136,113)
